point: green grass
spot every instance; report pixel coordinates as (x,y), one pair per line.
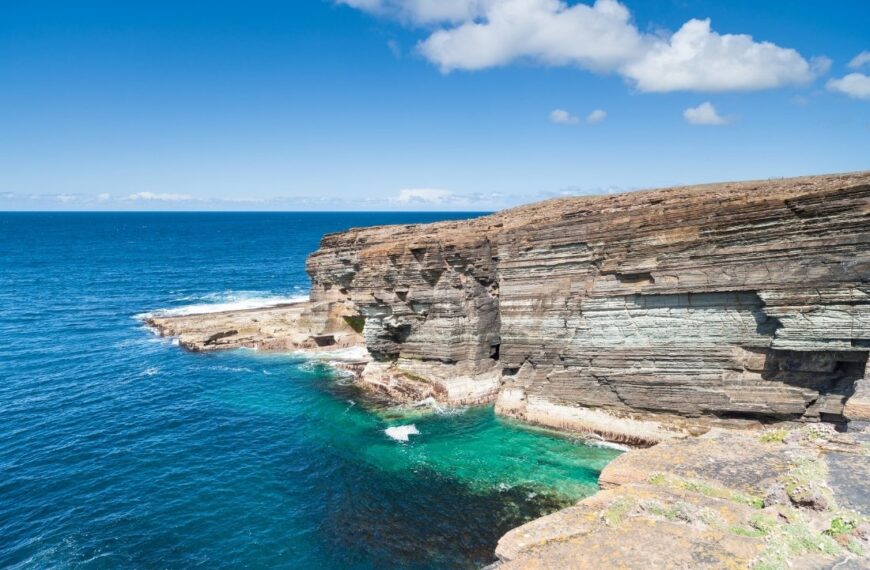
(357,323)
(788,542)
(414,377)
(617,511)
(841,525)
(806,481)
(702,488)
(666,512)
(774,436)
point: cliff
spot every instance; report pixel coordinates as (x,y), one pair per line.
(635,317)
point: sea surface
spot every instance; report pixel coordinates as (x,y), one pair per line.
(120,450)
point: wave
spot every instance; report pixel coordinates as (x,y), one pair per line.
(227,301)
(402,433)
(349,354)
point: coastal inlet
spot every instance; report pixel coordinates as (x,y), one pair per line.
(118,449)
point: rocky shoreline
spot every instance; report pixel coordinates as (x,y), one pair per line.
(778,498)
(653,318)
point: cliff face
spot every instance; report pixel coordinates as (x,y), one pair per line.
(633,316)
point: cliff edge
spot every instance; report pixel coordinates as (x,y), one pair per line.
(635,317)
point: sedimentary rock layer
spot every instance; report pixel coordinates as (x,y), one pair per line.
(728,499)
(633,316)
(279,328)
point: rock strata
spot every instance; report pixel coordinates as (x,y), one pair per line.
(635,317)
(280,328)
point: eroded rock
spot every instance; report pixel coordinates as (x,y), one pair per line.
(637,317)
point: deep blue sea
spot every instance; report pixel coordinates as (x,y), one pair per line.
(120,450)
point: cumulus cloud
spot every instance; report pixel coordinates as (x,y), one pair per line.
(480,34)
(860,60)
(596,116)
(696,58)
(856,85)
(598,37)
(563,117)
(163,197)
(704,114)
(422,196)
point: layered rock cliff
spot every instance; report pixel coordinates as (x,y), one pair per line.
(635,316)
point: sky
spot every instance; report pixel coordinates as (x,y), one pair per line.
(466,105)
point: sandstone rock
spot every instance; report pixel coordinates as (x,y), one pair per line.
(637,317)
(697,503)
(285,327)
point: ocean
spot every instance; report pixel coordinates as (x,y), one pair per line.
(120,450)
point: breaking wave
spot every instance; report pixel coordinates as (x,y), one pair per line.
(402,433)
(226,301)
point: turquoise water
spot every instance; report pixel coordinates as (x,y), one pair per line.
(117,449)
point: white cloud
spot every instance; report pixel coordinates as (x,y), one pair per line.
(104,197)
(421,12)
(696,58)
(704,114)
(598,37)
(855,85)
(65,198)
(164,197)
(563,117)
(422,195)
(596,116)
(860,60)
(480,34)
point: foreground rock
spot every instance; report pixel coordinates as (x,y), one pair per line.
(765,500)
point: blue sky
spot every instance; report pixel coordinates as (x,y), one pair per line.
(419,104)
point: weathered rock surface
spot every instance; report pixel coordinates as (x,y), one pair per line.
(637,316)
(727,499)
(634,317)
(283,327)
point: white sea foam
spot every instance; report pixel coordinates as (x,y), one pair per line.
(432,404)
(229,301)
(606,444)
(349,354)
(402,433)
(221,368)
